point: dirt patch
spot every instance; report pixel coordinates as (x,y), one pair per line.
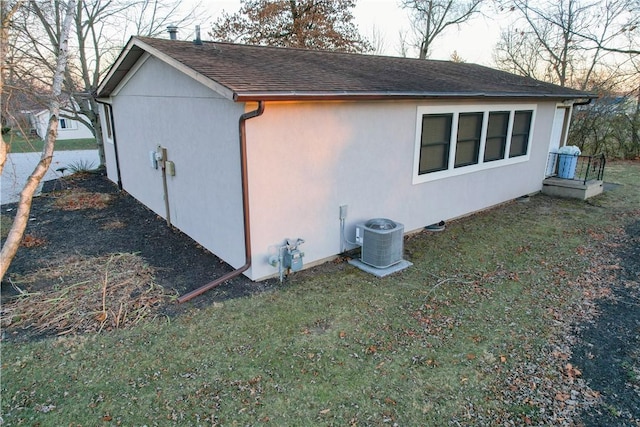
(107,221)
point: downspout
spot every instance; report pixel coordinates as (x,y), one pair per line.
(115,140)
(245,210)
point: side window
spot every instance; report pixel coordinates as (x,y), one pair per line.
(63,123)
(436,138)
(496,135)
(107,121)
(457,139)
(468,141)
(520,133)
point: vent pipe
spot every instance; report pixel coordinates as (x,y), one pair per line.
(198,40)
(173,32)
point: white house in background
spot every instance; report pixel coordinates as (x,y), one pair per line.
(67,128)
(286,137)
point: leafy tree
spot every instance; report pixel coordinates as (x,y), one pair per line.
(310,24)
(429,18)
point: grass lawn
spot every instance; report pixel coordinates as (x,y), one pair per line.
(472,334)
(18,144)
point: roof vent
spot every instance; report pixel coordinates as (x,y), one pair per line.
(173,32)
(198,40)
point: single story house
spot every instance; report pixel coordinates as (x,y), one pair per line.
(67,128)
(241,147)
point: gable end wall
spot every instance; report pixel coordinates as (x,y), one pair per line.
(162,106)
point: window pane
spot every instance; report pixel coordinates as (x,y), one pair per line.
(468,144)
(496,135)
(436,134)
(107,120)
(520,133)
(434,158)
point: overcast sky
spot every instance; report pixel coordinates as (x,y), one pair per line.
(474,41)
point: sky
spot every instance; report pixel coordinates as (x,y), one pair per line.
(473,41)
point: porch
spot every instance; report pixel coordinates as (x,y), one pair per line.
(577,177)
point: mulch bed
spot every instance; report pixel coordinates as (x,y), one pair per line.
(85,217)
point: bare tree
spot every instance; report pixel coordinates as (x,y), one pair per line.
(12,242)
(429,18)
(564,42)
(100,29)
(311,24)
(378,44)
(618,28)
(7,11)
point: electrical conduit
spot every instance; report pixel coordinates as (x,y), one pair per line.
(245,208)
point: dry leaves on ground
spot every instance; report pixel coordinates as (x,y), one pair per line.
(90,295)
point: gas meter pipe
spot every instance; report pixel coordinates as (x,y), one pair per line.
(245,208)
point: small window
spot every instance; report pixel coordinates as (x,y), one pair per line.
(63,124)
(107,120)
(496,136)
(436,138)
(468,142)
(520,133)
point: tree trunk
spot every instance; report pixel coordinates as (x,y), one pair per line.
(12,242)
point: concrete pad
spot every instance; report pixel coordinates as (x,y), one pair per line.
(380,272)
(19,166)
(571,188)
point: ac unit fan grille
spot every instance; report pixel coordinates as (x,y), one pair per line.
(382,242)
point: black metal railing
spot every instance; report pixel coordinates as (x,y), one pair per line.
(576,168)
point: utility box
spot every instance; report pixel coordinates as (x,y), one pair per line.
(293,259)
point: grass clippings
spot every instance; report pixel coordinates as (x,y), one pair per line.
(71,200)
(90,295)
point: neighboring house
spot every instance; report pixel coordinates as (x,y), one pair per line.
(67,128)
(288,136)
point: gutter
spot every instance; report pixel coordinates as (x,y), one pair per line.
(359,96)
(587,102)
(245,208)
(115,141)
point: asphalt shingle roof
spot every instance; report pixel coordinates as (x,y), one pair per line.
(269,73)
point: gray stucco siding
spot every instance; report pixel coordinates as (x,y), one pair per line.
(159,105)
(307,159)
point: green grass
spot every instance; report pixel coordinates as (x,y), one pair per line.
(18,144)
(435,345)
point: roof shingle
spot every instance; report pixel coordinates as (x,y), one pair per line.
(269,73)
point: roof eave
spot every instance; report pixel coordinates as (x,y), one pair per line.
(133,52)
(376,96)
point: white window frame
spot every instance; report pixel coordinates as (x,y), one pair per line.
(69,124)
(481,165)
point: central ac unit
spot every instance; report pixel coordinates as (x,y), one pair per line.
(382,242)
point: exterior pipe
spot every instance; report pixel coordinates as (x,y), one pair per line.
(245,208)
